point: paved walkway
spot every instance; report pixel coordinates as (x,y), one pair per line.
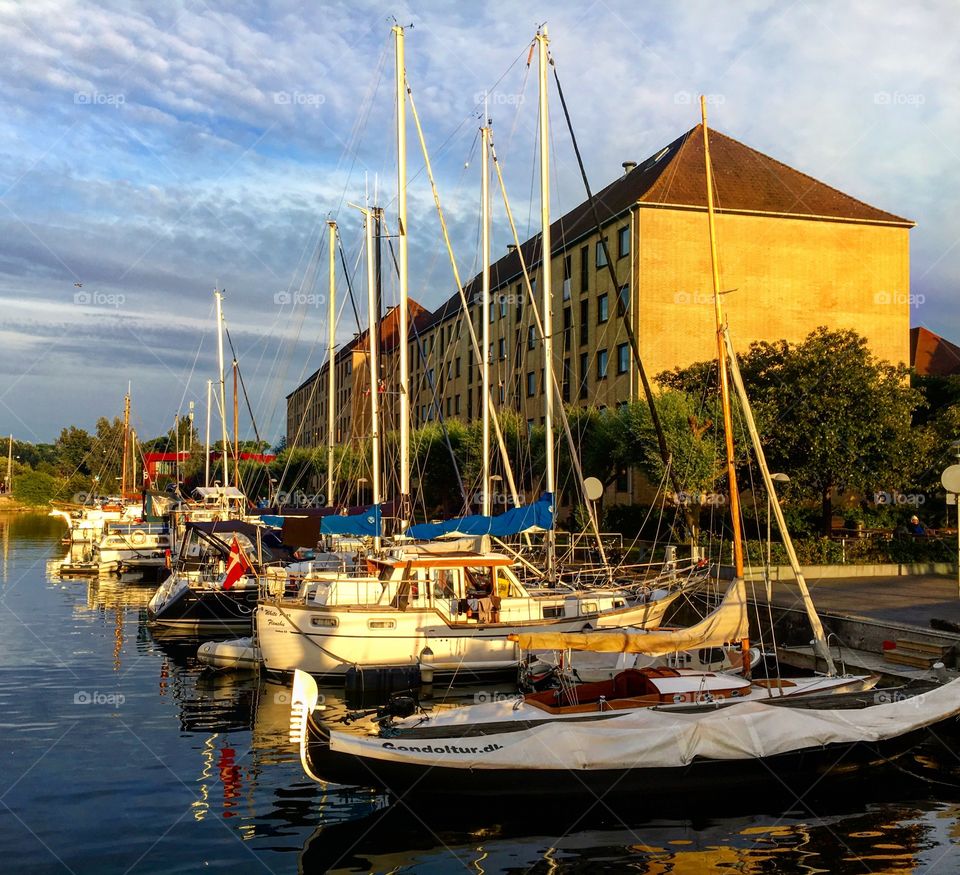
(903,599)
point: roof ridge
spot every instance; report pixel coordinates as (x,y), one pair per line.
(805,175)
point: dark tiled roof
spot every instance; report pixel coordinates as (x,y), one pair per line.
(931,355)
(744,180)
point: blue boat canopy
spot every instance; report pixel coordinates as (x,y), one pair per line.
(536,517)
(366,524)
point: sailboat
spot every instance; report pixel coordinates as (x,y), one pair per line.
(642,729)
(450,604)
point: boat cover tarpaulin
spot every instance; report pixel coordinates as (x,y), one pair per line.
(536,517)
(359,525)
(729,623)
(653,738)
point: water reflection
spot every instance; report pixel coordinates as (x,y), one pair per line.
(212,762)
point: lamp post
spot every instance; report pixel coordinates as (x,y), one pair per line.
(951,482)
(776,478)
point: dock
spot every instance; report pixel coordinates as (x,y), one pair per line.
(897,626)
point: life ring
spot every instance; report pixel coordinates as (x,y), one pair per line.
(138,538)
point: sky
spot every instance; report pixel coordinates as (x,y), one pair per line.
(150,152)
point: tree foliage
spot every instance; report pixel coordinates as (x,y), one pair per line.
(831,415)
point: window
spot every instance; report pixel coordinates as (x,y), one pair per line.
(603,309)
(584,321)
(501,393)
(456,405)
(469,403)
(623,242)
(502,348)
(531,384)
(493,311)
(448,406)
(503,306)
(565,384)
(601,364)
(623,358)
(430,377)
(518,300)
(623,483)
(601,255)
(567,323)
(584,269)
(456,363)
(567,268)
(449,370)
(584,376)
(623,299)
(469,366)
(381,624)
(531,337)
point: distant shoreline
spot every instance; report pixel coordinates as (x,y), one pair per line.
(9,504)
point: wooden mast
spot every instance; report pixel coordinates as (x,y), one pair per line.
(331,362)
(734,491)
(722,358)
(485,309)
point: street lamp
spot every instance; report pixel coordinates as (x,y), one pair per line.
(776,478)
(951,482)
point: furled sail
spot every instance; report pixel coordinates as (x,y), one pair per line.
(536,517)
(728,623)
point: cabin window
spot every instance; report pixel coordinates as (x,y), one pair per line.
(381,624)
(323,622)
(551,612)
(619,603)
(589,607)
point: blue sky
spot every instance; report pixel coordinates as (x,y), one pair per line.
(151,151)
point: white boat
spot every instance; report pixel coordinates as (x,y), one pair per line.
(86,523)
(650,732)
(146,543)
(451,608)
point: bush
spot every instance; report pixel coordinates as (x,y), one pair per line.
(34,488)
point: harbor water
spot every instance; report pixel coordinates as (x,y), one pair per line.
(119,754)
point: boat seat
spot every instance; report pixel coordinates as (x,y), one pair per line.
(631,682)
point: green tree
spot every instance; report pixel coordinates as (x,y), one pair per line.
(832,415)
(34,487)
(73,451)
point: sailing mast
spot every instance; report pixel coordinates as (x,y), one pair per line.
(126,444)
(546,250)
(405,509)
(236,429)
(331,354)
(206,467)
(223,397)
(722,358)
(373,341)
(819,639)
(485,308)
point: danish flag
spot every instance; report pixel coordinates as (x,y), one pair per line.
(237,566)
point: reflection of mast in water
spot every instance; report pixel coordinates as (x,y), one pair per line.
(5,535)
(117,636)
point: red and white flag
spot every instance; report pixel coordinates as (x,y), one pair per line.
(237,566)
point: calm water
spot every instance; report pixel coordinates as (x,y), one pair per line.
(120,755)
